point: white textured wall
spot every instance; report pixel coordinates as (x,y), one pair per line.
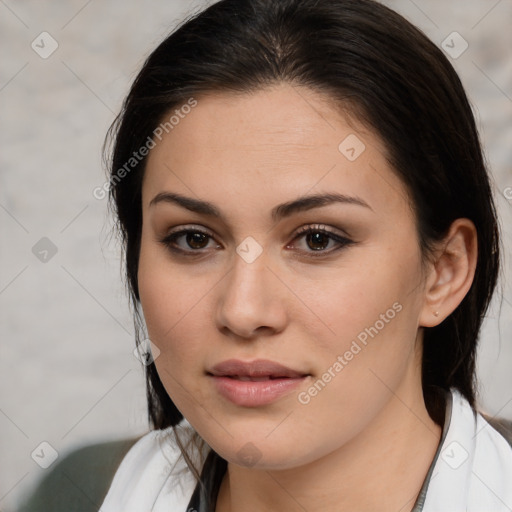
(67,369)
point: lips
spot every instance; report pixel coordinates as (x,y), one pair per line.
(255,383)
(258,370)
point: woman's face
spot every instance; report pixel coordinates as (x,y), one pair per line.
(341,309)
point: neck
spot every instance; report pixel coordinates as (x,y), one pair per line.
(382,468)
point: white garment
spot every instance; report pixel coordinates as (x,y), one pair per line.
(153,476)
(473,472)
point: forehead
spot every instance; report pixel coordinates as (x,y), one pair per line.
(281,115)
(279,140)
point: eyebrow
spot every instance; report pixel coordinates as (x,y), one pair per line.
(279,212)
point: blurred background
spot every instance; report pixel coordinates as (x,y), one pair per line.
(69,377)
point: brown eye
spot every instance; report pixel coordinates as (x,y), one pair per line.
(187,241)
(317,240)
(196,240)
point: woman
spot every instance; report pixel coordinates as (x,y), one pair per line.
(311,239)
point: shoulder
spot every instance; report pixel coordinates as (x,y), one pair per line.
(79,481)
(475,458)
(501,425)
(154,475)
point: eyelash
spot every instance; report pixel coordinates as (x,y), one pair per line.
(342,241)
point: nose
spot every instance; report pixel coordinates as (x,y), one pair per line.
(251,301)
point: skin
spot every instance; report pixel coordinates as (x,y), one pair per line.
(366,441)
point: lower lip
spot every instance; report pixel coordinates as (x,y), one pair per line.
(255,393)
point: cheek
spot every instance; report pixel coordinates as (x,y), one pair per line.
(362,366)
(372,317)
(374,296)
(169,303)
(170,309)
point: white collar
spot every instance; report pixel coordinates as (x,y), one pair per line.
(472,472)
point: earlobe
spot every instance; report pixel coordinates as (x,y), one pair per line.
(451,274)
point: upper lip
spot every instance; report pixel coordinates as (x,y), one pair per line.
(256,368)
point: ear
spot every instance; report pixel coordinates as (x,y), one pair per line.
(451,273)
